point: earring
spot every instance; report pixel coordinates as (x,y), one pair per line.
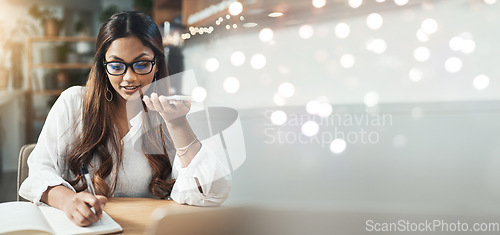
(110,94)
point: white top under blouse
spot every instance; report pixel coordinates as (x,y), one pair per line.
(47,166)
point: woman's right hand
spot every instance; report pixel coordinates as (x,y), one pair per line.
(78,207)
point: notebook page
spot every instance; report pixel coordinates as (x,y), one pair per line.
(22,216)
(61,224)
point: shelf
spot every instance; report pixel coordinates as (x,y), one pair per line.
(62,66)
(30,107)
(62,39)
(48,92)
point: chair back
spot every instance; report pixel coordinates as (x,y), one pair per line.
(22,166)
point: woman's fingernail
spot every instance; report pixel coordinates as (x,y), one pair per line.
(163,99)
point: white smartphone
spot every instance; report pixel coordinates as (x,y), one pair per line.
(179,97)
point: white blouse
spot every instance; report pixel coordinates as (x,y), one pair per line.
(47,166)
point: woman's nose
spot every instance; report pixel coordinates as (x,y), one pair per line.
(129,75)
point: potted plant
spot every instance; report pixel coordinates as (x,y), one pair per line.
(51,24)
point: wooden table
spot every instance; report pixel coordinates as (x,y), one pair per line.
(134,214)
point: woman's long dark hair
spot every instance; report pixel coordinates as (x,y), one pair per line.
(99,137)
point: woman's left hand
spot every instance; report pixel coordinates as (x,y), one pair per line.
(169,110)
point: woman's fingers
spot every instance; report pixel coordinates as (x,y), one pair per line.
(103,200)
(98,202)
(187,104)
(90,201)
(168,109)
(166,104)
(89,208)
(156,103)
(87,213)
(175,108)
(182,106)
(79,219)
(148,103)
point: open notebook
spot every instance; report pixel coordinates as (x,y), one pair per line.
(27,218)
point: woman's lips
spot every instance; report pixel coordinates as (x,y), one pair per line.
(130,89)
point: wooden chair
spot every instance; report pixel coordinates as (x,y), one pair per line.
(22,166)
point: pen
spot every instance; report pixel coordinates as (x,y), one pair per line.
(85,173)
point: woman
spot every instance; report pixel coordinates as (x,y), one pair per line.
(129,151)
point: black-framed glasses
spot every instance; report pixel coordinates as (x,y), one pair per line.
(141,67)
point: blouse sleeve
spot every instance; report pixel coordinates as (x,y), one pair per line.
(44,168)
(212,175)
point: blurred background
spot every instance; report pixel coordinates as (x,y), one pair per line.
(357,105)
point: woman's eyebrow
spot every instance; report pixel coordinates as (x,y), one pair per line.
(118,58)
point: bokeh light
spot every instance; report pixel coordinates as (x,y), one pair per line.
(266,35)
(468,46)
(310,128)
(338,146)
(250,24)
(211,65)
(278,117)
(421,54)
(231,85)
(377,45)
(286,89)
(415,74)
(306,31)
(325,109)
(371,99)
(237,58)
(342,30)
(347,61)
(374,21)
(456,43)
(199,94)
(355,3)
(258,61)
(429,26)
(313,107)
(481,82)
(275,14)
(318,3)
(401,2)
(463,43)
(235,8)
(453,65)
(422,36)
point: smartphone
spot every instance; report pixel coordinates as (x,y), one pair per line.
(179,97)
